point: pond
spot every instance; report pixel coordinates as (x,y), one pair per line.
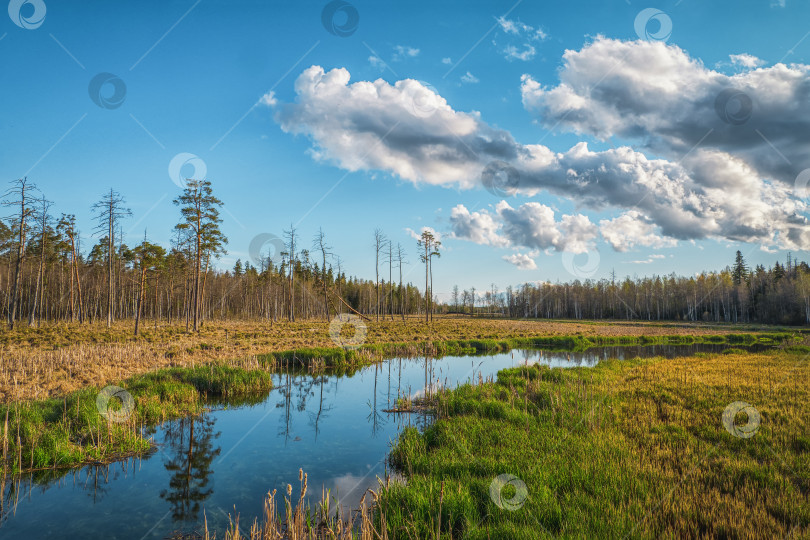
(334,427)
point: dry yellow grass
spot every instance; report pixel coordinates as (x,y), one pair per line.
(725,485)
(36,363)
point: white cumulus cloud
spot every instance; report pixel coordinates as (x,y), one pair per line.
(744,60)
(632,229)
(732,188)
(521,260)
(531,225)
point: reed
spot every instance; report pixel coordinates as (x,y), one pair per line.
(299,521)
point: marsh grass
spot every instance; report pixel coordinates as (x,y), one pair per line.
(55,359)
(70,431)
(626,449)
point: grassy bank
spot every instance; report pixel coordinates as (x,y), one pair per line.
(82,428)
(632,449)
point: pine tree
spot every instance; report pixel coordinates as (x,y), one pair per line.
(740,270)
(108,212)
(199,209)
(778,271)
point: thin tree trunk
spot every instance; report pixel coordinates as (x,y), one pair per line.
(140,298)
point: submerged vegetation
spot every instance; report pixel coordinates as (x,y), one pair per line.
(627,449)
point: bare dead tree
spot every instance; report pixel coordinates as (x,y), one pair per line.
(66,227)
(291,235)
(338,265)
(319,244)
(20,193)
(42,218)
(379,241)
(108,212)
(400,261)
(390,278)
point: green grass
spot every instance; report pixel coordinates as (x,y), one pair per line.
(70,431)
(627,449)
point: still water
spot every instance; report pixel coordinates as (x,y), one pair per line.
(334,427)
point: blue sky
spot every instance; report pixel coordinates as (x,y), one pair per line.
(196,73)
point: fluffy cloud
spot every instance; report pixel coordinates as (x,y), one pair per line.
(632,229)
(269,99)
(744,60)
(479,227)
(658,95)
(409,130)
(521,260)
(531,225)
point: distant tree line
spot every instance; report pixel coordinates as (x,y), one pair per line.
(45,275)
(776,295)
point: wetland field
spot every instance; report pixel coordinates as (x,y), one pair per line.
(463,429)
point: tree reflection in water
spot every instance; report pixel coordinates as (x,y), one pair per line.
(190,447)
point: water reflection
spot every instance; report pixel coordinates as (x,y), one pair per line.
(334,426)
(189,443)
